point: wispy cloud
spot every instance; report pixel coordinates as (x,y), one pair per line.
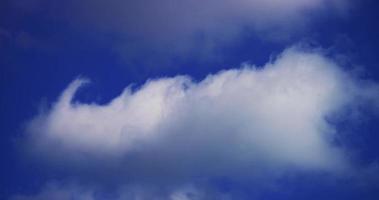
(74,191)
(166,28)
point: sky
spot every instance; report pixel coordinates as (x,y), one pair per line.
(189,100)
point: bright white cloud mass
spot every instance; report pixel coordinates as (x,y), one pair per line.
(238,122)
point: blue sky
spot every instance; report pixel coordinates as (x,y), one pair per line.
(178,100)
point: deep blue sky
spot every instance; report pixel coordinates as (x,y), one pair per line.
(42,52)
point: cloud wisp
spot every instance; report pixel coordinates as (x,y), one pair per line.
(168,20)
(183,28)
(74,191)
(187,27)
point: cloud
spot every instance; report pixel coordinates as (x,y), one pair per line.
(237,122)
(77,192)
(183,28)
(167,19)
(187,27)
(59,192)
(171,136)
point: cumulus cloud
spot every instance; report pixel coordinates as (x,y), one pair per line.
(237,121)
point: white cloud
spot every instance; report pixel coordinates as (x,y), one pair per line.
(236,122)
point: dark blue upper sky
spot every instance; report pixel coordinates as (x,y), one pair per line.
(44,45)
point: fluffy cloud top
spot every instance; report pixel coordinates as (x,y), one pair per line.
(235,121)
